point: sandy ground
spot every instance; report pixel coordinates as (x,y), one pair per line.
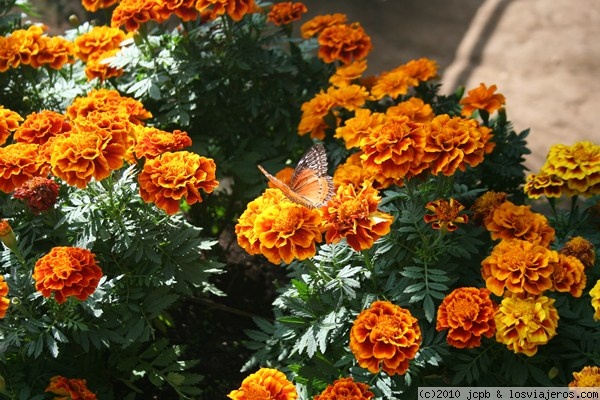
(544,55)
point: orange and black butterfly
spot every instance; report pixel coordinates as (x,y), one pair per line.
(309,186)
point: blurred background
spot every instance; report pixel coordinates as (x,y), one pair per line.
(544,55)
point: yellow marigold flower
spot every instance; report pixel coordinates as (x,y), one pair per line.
(18,163)
(95,5)
(589,376)
(20,47)
(569,275)
(359,126)
(346,43)
(286,12)
(39,127)
(96,147)
(350,97)
(346,74)
(175,176)
(106,100)
(7,236)
(395,149)
(265,384)
(414,108)
(351,172)
(453,143)
(468,314)
(524,324)
(67,271)
(577,165)
(520,267)
(581,249)
(484,206)
(319,23)
(69,388)
(288,231)
(385,337)
(393,83)
(543,184)
(595,295)
(9,122)
(247,235)
(39,193)
(422,69)
(313,114)
(4,301)
(512,221)
(99,39)
(353,215)
(236,9)
(346,389)
(482,98)
(446,214)
(152,142)
(98,66)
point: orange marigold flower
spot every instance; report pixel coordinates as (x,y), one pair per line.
(414,108)
(106,100)
(346,43)
(353,214)
(524,324)
(468,314)
(4,301)
(313,114)
(350,97)
(595,295)
(520,267)
(346,74)
(99,39)
(75,389)
(581,249)
(543,184)
(347,389)
(288,231)
(18,163)
(67,271)
(359,126)
(385,337)
(445,214)
(184,9)
(265,384)
(422,69)
(152,142)
(286,12)
(393,83)
(39,127)
(453,143)
(577,165)
(95,5)
(54,51)
(236,9)
(482,98)
(98,66)
(175,176)
(589,376)
(484,206)
(395,149)
(21,47)
(39,193)
(351,172)
(284,175)
(319,23)
(512,221)
(96,147)
(9,122)
(7,236)
(569,275)
(247,235)
(133,13)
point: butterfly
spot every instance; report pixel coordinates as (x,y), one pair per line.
(309,186)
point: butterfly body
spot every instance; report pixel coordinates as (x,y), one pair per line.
(309,186)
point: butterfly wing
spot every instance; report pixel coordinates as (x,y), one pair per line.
(309,185)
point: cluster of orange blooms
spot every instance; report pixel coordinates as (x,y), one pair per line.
(69,388)
(97,135)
